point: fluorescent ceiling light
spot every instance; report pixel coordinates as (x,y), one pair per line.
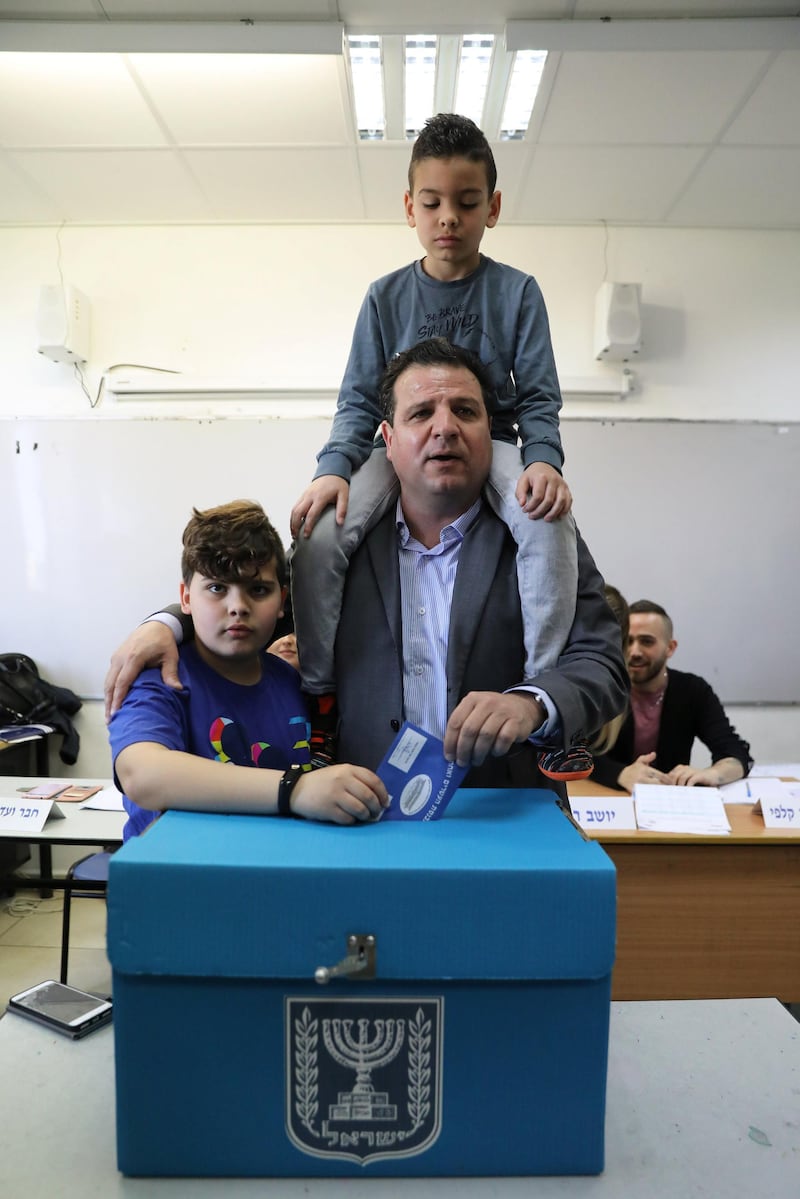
(366,68)
(420,81)
(526,76)
(465,74)
(473,75)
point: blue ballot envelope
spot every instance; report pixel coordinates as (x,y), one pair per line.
(419,779)
(390,1000)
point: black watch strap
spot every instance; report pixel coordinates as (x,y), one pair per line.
(286,786)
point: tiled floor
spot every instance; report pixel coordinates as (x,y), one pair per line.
(30,943)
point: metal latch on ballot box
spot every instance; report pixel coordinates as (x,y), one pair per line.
(359,963)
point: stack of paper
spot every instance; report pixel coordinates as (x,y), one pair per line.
(663,809)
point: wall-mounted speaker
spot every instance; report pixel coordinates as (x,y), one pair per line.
(618,322)
(62,324)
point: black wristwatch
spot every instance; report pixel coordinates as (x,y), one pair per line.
(286,786)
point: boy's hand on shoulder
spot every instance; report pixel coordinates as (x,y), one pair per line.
(327,489)
(341,794)
(542,492)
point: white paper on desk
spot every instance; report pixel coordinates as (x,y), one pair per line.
(752,789)
(107,800)
(781,770)
(664,809)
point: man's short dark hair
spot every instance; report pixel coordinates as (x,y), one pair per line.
(644,605)
(436,351)
(448,135)
(231,543)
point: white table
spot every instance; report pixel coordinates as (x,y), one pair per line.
(703,1100)
(80,826)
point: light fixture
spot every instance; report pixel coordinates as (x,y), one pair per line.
(420,81)
(399,82)
(126,385)
(526,75)
(595,387)
(367,74)
(473,75)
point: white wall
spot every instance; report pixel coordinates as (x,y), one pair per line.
(721,317)
(721,308)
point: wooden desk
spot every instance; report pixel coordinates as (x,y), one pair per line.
(705,917)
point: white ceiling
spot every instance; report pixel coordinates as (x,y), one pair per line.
(629,131)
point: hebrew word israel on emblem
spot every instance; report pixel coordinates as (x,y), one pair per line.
(363,1076)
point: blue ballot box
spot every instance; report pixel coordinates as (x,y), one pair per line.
(396,999)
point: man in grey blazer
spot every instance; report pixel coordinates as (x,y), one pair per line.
(431,627)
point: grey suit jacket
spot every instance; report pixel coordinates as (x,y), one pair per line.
(589,684)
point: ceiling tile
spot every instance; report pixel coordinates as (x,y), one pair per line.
(513,160)
(72,100)
(117,187)
(383,170)
(247,99)
(743,187)
(279,184)
(772,114)
(670,98)
(587,184)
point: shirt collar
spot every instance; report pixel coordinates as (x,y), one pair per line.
(451,532)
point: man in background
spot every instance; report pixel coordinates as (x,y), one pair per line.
(669,709)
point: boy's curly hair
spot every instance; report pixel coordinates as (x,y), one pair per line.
(448,135)
(231,542)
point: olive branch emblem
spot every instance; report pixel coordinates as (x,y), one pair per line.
(419,1070)
(306,1070)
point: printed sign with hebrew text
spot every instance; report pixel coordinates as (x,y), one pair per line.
(19,814)
(600,812)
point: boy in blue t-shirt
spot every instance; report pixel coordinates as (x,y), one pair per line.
(499,313)
(239,707)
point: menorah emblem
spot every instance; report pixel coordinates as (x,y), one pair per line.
(336,1041)
(363,1055)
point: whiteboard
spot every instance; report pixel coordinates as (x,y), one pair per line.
(700,516)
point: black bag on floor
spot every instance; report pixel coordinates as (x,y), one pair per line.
(26,698)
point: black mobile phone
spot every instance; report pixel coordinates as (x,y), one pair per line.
(65,1009)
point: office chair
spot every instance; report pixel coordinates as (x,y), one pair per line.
(87,878)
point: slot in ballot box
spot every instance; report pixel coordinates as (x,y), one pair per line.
(466,1035)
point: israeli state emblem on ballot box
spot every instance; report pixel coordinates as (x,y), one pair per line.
(400,999)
